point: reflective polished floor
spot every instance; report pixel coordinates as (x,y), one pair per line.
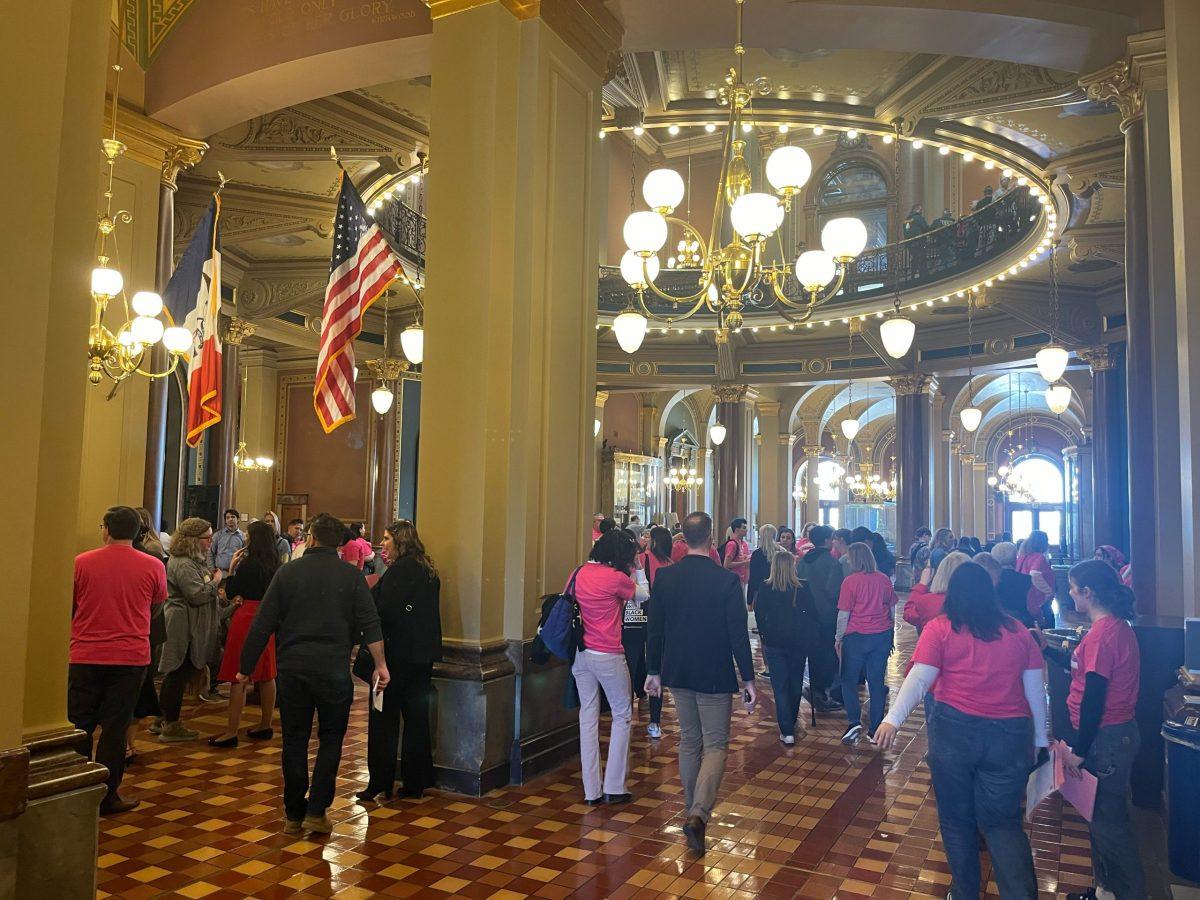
(818,820)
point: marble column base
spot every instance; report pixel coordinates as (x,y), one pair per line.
(56,834)
(547,732)
(473,718)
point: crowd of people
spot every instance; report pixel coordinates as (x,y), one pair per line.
(270,610)
(283,610)
(824,609)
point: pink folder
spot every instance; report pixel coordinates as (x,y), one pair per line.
(1079,792)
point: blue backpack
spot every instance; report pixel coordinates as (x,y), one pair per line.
(560,626)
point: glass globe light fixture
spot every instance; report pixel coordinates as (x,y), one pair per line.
(815,269)
(381,399)
(971,417)
(630,329)
(897,335)
(844,238)
(993,481)
(1052,362)
(146,329)
(147,303)
(850,428)
(631,269)
(1058,398)
(788,169)
(1003,471)
(663,190)
(755,216)
(412,342)
(107,282)
(716,433)
(177,339)
(264,462)
(645,232)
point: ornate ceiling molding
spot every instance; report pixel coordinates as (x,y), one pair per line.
(250,213)
(152,143)
(1124,82)
(1094,242)
(1079,321)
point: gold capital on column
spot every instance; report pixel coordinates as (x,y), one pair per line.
(812,450)
(238,330)
(177,157)
(907,385)
(587,26)
(968,458)
(1125,82)
(730,393)
(601,398)
(1099,359)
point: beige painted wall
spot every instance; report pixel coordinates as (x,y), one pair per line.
(114,431)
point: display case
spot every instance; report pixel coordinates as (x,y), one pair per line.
(630,485)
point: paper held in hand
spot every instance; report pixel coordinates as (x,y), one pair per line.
(1052,776)
(376,695)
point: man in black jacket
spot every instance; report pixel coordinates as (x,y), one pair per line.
(697,629)
(823,574)
(318,607)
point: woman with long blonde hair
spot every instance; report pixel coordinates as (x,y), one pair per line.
(787,623)
(925,601)
(760,561)
(190,617)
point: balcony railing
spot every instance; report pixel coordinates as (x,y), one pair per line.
(406,228)
(935,256)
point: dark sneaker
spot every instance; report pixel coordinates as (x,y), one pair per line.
(693,832)
(118,805)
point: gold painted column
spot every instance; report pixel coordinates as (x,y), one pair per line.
(783,457)
(770,491)
(514,217)
(55,57)
(811,511)
(1183,102)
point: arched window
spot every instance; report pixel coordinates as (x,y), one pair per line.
(1039,505)
(855,188)
(829,478)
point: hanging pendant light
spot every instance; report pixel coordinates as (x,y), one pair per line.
(850,428)
(972,415)
(1058,398)
(716,433)
(412,342)
(897,334)
(630,329)
(1052,359)
(381,399)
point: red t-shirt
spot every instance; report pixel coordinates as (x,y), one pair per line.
(922,607)
(115,586)
(679,550)
(979,678)
(356,551)
(867,596)
(602,593)
(1035,599)
(735,550)
(1109,649)
(651,564)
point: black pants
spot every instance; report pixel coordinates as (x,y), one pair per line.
(407,698)
(634,642)
(300,696)
(170,697)
(823,662)
(104,696)
(147,701)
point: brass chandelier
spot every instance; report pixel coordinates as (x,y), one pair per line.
(683,478)
(118,351)
(731,270)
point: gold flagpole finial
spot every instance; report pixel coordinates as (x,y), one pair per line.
(223,181)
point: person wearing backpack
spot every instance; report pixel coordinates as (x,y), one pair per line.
(603,587)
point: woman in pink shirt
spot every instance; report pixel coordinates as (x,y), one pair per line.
(604,586)
(1105,669)
(1032,559)
(924,603)
(866,609)
(988,714)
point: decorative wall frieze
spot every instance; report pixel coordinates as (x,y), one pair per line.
(261,297)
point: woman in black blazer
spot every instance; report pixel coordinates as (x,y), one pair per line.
(407,599)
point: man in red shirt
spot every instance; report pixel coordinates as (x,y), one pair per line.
(115,588)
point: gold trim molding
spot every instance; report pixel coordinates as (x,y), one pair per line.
(1125,81)
(151,143)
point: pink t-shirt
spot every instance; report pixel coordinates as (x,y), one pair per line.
(1026,565)
(979,678)
(115,586)
(738,550)
(1109,649)
(922,606)
(602,593)
(356,551)
(651,564)
(868,597)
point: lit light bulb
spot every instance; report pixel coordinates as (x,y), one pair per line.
(971,417)
(897,335)
(1058,398)
(412,342)
(381,399)
(147,303)
(850,428)
(716,433)
(630,329)
(663,189)
(645,232)
(1052,362)
(177,339)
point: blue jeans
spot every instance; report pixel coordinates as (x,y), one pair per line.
(787,681)
(980,768)
(869,652)
(1116,864)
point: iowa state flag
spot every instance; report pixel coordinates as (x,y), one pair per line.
(193,297)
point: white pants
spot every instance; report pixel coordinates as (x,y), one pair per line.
(608,672)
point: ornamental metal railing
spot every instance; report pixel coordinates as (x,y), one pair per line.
(937,255)
(406,228)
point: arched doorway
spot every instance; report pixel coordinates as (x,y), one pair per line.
(1037,503)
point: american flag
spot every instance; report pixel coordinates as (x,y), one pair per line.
(362,267)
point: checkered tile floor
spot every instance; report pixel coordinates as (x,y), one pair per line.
(817,820)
